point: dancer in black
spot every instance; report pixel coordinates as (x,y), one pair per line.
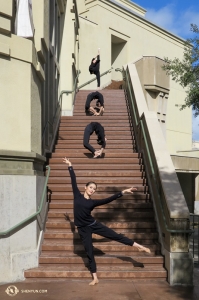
(86,224)
(95,66)
(101,139)
(99,109)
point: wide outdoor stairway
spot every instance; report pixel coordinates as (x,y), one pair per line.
(121,167)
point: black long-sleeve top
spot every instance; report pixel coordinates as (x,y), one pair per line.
(94,95)
(94,67)
(83,206)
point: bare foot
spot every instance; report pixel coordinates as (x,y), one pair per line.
(94,282)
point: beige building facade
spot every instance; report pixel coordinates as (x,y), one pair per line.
(38,77)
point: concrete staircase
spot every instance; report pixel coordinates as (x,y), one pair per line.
(62,253)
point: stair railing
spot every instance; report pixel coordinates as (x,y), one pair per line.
(32,217)
(171,223)
(88,82)
(194,241)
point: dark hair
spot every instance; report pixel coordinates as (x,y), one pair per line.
(90,182)
(92,60)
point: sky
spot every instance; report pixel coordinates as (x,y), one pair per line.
(175,16)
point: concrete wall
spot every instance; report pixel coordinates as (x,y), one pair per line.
(187,183)
(20,249)
(69,56)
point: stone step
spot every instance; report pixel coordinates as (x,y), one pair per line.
(111,246)
(111,118)
(66,187)
(128,181)
(103,267)
(62,234)
(133,265)
(140,195)
(72,258)
(84,151)
(106,214)
(108,155)
(102,166)
(78,133)
(61,223)
(106,114)
(109,147)
(56,273)
(68,204)
(98,173)
(109,128)
(110,143)
(84,160)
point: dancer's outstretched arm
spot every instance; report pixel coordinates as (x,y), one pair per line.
(113,197)
(72,175)
(130,190)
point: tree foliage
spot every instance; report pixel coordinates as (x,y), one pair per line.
(186,71)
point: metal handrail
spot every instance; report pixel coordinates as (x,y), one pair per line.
(67,92)
(33,215)
(193,238)
(140,123)
(84,84)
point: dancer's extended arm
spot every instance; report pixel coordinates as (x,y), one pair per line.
(72,176)
(113,197)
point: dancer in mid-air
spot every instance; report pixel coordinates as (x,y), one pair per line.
(95,66)
(86,224)
(99,109)
(101,139)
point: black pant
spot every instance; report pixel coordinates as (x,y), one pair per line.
(87,133)
(100,229)
(98,78)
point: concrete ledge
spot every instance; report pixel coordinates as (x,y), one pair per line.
(25,260)
(5,25)
(180,268)
(67,113)
(6,7)
(21,163)
(4,49)
(184,163)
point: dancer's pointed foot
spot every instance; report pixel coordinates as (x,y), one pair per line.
(95,281)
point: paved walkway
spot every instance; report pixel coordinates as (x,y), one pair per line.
(105,290)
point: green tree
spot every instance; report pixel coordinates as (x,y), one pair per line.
(186,71)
